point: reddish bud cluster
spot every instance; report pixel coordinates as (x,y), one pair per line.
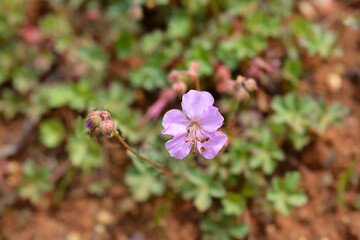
(100,121)
(240,87)
(180,79)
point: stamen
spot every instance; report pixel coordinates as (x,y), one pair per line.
(202,149)
(207,139)
(203,140)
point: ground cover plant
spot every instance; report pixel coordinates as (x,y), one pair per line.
(155,117)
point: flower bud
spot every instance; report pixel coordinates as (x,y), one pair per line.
(229,86)
(105,115)
(242,94)
(194,66)
(107,127)
(240,79)
(173,76)
(93,119)
(179,87)
(250,85)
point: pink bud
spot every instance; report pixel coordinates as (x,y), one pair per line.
(136,13)
(173,76)
(105,115)
(94,117)
(242,94)
(179,87)
(194,66)
(229,86)
(250,85)
(240,79)
(107,127)
(93,14)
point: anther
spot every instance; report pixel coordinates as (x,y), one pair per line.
(203,140)
(202,149)
(207,139)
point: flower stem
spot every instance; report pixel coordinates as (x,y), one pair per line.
(197,84)
(160,167)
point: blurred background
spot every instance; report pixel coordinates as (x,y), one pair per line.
(290,169)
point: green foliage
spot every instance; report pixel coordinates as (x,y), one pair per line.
(265,153)
(179,26)
(299,113)
(233,204)
(52,133)
(35,182)
(143,181)
(315,38)
(99,187)
(84,152)
(221,226)
(332,114)
(148,77)
(302,114)
(202,189)
(285,194)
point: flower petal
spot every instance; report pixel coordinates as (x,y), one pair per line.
(195,102)
(177,147)
(174,123)
(211,119)
(211,148)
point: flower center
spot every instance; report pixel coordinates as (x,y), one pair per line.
(195,134)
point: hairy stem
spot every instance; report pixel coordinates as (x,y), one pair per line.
(160,167)
(197,84)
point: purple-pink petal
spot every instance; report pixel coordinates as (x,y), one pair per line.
(211,120)
(195,102)
(89,124)
(177,147)
(211,148)
(174,123)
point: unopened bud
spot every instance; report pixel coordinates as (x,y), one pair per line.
(173,76)
(105,115)
(136,13)
(229,86)
(242,94)
(107,127)
(93,119)
(179,87)
(240,79)
(250,85)
(194,66)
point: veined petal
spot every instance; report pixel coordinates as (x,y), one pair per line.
(174,123)
(211,148)
(195,102)
(210,120)
(177,147)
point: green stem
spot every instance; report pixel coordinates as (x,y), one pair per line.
(160,167)
(232,111)
(197,84)
(64,183)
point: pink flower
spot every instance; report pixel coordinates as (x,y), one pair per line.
(195,130)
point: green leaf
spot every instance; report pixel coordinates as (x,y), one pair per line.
(179,26)
(124,43)
(35,182)
(285,194)
(83,151)
(233,204)
(148,77)
(52,133)
(143,181)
